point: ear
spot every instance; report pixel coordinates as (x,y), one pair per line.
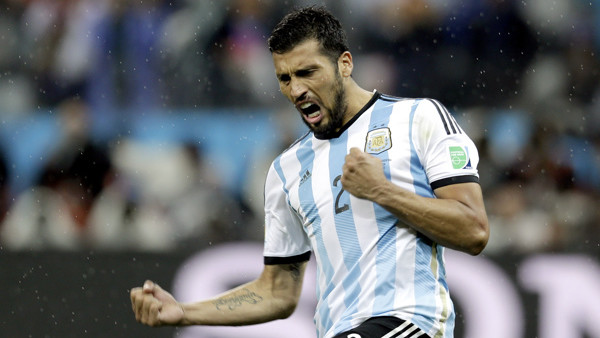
(345,64)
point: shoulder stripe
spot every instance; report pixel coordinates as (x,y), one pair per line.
(447,118)
(446,114)
(460,131)
(441,116)
(451,118)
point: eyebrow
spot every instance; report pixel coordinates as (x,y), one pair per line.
(299,72)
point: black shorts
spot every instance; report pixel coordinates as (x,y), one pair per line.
(384,327)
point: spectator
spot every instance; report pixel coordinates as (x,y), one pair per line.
(177,201)
(58,42)
(54,213)
(125,74)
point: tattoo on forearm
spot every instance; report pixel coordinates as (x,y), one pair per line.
(236,301)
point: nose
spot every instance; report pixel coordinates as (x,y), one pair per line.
(297,89)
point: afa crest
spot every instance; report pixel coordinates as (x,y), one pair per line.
(378,141)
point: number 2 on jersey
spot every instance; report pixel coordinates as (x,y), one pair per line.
(338,208)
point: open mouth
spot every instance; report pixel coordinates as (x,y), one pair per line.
(311,112)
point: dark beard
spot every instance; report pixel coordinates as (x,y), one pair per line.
(336,114)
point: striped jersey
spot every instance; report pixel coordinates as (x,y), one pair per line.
(368,262)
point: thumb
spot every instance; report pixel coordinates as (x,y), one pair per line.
(157,292)
(150,287)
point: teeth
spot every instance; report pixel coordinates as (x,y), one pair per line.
(314,114)
(305,105)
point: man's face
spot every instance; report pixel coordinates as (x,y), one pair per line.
(314,85)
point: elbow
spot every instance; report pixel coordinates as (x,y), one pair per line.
(476,247)
(479,239)
(287,312)
(286,307)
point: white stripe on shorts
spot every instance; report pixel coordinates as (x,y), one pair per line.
(406,330)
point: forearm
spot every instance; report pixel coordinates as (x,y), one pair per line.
(274,295)
(448,222)
(245,305)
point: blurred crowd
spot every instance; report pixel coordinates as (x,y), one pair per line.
(522,78)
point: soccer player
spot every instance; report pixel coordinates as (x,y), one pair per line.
(376,190)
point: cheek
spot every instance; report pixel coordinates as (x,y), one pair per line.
(328,93)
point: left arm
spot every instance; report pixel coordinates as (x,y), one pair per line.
(456,219)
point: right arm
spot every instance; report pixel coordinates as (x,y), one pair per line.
(273,295)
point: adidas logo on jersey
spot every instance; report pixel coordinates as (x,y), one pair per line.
(305,177)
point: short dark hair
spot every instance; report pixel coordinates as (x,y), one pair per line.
(314,22)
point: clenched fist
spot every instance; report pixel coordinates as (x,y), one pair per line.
(154,306)
(362,174)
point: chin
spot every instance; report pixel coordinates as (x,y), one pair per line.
(319,128)
(316,128)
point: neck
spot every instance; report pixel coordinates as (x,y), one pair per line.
(356,98)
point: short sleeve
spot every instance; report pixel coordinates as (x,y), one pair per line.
(285,239)
(447,153)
